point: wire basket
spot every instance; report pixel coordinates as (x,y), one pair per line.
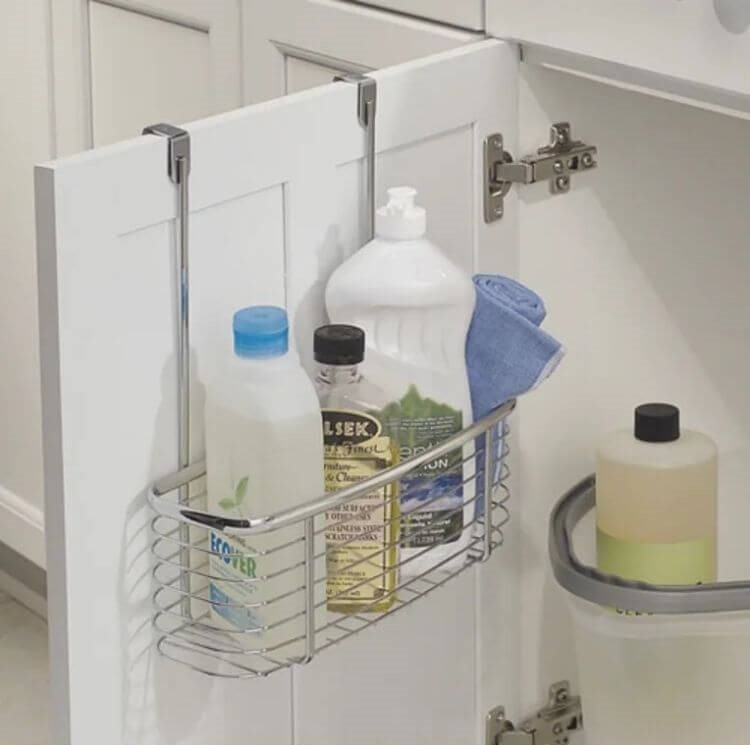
(289,608)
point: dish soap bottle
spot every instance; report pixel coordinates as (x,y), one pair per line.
(415,307)
(264,454)
(361,535)
(656,501)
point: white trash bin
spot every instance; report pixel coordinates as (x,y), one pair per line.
(679,675)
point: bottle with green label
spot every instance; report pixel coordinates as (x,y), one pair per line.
(415,305)
(361,535)
(656,501)
(264,454)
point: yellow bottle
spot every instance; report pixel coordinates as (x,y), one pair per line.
(361,535)
(656,500)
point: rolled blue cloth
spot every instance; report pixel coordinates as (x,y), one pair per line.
(506,354)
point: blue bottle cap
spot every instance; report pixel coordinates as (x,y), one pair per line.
(261,331)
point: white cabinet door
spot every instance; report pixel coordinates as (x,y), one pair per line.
(697,49)
(464,13)
(290,45)
(120,63)
(276,200)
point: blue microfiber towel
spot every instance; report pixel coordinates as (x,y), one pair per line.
(506,354)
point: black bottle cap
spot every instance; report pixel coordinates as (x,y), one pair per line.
(339,344)
(657,423)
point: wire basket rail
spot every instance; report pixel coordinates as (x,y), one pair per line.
(289,608)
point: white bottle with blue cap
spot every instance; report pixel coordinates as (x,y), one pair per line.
(264,454)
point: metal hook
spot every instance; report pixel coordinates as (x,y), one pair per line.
(178,168)
(366,104)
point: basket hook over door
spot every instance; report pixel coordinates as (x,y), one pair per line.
(367,97)
(178,169)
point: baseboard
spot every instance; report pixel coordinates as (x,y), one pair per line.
(27,597)
(22,526)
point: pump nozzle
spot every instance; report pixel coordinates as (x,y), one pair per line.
(401,219)
(401,198)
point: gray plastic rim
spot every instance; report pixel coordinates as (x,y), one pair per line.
(590,584)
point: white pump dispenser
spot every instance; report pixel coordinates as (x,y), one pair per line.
(415,306)
(401,219)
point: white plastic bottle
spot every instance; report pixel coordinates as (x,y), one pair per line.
(264,453)
(415,306)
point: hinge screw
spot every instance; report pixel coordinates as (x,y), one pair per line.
(558,166)
(587,160)
(562,182)
(499,211)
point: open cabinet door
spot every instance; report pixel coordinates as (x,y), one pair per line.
(277,201)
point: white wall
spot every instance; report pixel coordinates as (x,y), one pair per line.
(644,267)
(24,139)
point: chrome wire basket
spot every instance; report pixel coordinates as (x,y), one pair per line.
(288,611)
(282,610)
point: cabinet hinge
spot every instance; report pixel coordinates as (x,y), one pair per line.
(551,726)
(556,163)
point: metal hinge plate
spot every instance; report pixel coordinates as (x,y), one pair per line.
(556,163)
(551,726)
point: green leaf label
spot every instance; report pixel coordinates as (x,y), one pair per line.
(240,490)
(431,496)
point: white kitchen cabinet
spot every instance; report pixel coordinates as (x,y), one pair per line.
(644,270)
(117,62)
(120,62)
(463,13)
(294,44)
(693,49)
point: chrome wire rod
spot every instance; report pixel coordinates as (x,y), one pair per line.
(178,170)
(323,503)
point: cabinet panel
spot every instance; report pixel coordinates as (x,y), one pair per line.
(276,199)
(465,13)
(302,74)
(698,49)
(343,36)
(130,82)
(122,64)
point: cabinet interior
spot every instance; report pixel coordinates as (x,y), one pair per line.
(644,268)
